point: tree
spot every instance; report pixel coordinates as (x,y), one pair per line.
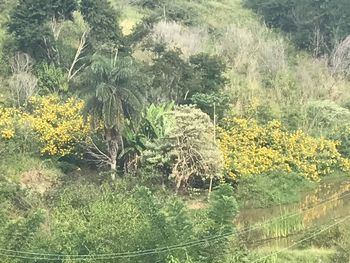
(103,21)
(187,151)
(317,26)
(174,78)
(211,70)
(194,152)
(114,95)
(29,23)
(22,84)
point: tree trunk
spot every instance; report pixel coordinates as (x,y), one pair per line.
(113,165)
(112,145)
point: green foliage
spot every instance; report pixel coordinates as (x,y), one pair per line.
(29,24)
(208,103)
(51,79)
(171,10)
(315,26)
(189,149)
(179,12)
(342,134)
(223,207)
(115,84)
(154,124)
(324,116)
(89,219)
(343,246)
(178,80)
(103,21)
(210,69)
(271,189)
(222,210)
(174,78)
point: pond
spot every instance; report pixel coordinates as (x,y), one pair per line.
(279,226)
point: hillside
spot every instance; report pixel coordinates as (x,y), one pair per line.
(182,131)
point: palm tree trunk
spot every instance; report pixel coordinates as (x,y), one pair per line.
(112,146)
(113,149)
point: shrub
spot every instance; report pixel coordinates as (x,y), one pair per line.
(57,126)
(253,149)
(51,79)
(89,219)
(323,116)
(189,149)
(342,134)
(265,190)
(301,19)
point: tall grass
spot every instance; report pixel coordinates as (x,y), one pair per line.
(263,65)
(283,226)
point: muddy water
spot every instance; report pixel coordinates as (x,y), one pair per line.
(330,201)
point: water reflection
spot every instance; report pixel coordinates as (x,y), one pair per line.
(311,211)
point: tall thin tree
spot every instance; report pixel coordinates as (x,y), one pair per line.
(115,94)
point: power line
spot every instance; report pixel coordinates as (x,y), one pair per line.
(302,240)
(51,257)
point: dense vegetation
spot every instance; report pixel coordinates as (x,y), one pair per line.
(115,114)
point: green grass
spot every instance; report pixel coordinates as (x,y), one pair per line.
(14,166)
(312,255)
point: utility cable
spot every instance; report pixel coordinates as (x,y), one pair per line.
(50,257)
(302,240)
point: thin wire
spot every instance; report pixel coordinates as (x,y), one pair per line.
(302,240)
(154,250)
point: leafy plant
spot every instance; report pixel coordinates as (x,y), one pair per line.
(253,149)
(114,95)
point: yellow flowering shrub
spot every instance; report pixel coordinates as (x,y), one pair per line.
(249,148)
(8,122)
(58,125)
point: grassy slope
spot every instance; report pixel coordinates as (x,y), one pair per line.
(246,72)
(264,69)
(248,81)
(298,256)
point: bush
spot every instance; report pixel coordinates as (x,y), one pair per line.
(271,189)
(188,150)
(253,149)
(88,219)
(342,134)
(301,19)
(343,246)
(51,79)
(324,116)
(56,126)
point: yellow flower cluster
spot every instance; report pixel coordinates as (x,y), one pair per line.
(249,148)
(8,122)
(58,125)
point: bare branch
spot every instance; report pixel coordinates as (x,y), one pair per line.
(97,155)
(340,59)
(82,45)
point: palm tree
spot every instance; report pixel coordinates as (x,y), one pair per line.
(114,96)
